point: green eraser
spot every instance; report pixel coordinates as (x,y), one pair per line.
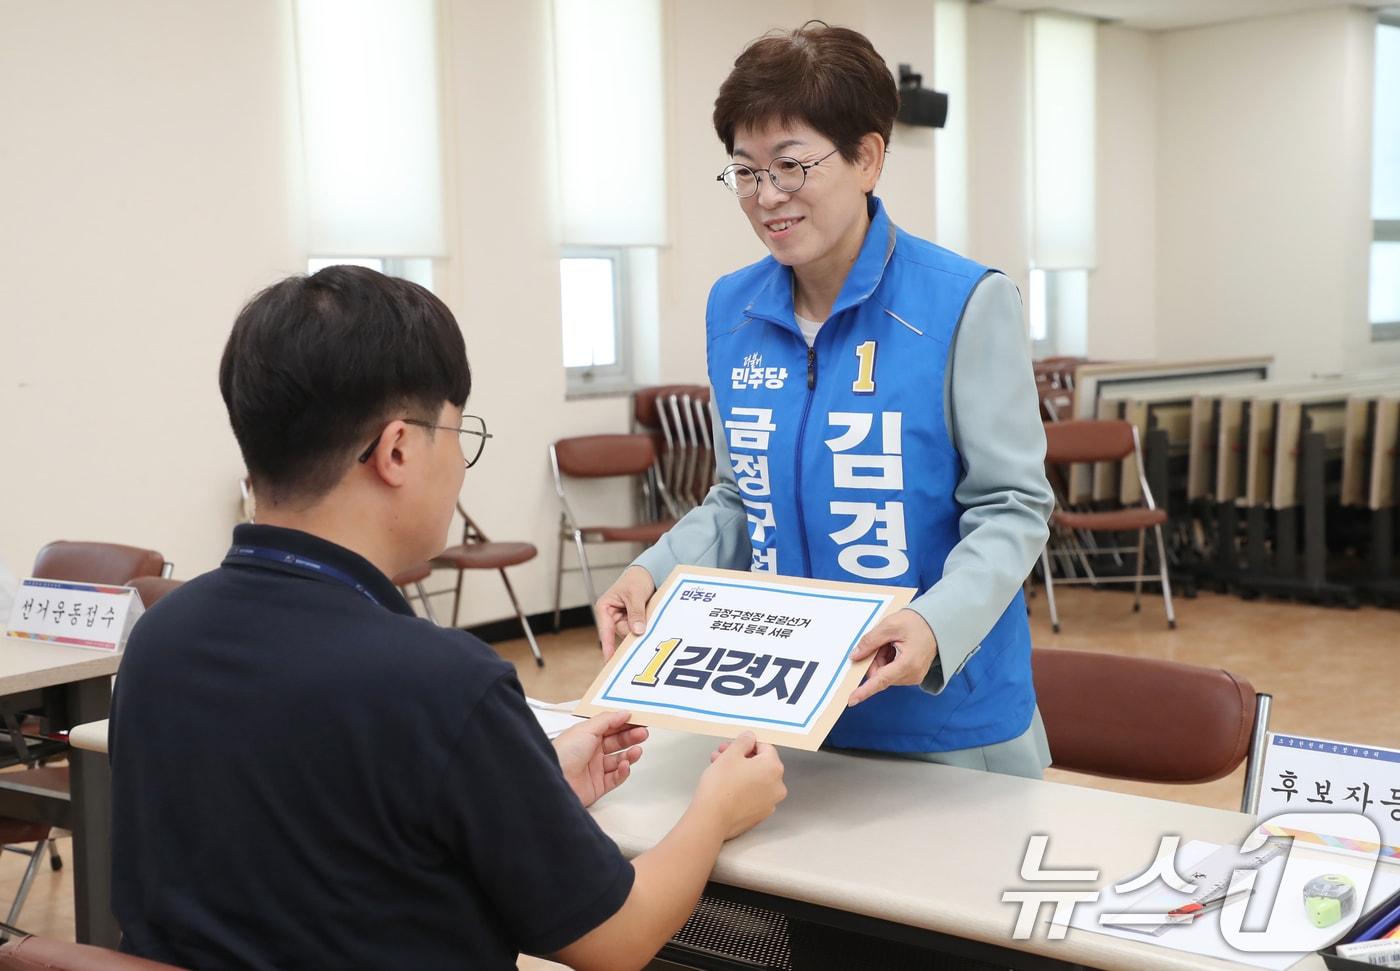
(1328,899)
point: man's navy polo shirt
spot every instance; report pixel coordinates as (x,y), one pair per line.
(304,774)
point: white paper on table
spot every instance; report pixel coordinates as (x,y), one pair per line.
(1273,889)
(555,719)
(1213,876)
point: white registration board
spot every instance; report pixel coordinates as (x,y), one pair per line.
(726,651)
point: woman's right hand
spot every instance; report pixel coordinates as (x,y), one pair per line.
(742,786)
(622,610)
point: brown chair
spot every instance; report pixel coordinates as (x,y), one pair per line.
(413,577)
(693,459)
(1056,403)
(151,589)
(79,562)
(649,403)
(1070,442)
(247,503)
(15,833)
(1059,371)
(1150,720)
(598,457)
(98,563)
(45,954)
(476,552)
(482,555)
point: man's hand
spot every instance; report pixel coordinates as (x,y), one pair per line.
(623,609)
(904,649)
(597,755)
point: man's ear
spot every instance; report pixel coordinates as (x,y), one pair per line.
(871,159)
(389,461)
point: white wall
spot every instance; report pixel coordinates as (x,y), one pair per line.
(152,185)
(1122,287)
(709,234)
(149,178)
(902,31)
(998,234)
(1121,309)
(161,179)
(502,282)
(1263,177)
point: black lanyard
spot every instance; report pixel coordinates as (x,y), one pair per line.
(317,567)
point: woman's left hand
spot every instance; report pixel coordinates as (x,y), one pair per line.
(904,649)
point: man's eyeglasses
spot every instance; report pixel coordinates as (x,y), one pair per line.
(473,444)
(786,174)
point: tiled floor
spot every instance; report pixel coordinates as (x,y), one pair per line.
(1330,671)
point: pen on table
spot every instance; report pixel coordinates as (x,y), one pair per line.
(1380,928)
(1186,913)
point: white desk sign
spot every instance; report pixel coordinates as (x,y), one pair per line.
(91,615)
(726,651)
(1318,775)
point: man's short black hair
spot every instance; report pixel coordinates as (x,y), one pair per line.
(315,365)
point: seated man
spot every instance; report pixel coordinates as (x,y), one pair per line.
(307,775)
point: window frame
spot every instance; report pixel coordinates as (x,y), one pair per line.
(1038,306)
(1383,230)
(1052,344)
(595,379)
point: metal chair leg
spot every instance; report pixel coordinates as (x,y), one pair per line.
(558,578)
(1254,763)
(457,598)
(587,574)
(529,634)
(1137,584)
(1084,549)
(1049,591)
(427,604)
(1166,581)
(36,857)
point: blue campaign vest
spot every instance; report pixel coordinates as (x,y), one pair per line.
(844,463)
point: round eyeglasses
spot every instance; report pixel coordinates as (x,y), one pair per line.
(786,174)
(473,430)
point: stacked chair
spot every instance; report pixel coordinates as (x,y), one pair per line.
(678,419)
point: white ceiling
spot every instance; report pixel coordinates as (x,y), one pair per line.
(1173,14)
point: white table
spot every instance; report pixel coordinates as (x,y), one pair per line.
(73,685)
(90,737)
(923,846)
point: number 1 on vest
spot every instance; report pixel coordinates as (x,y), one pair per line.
(648,675)
(865,376)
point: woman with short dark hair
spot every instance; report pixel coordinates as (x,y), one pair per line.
(875,413)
